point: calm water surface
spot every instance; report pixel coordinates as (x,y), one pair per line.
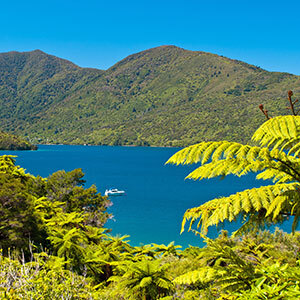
(157,195)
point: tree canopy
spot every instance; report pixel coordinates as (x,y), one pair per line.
(36,211)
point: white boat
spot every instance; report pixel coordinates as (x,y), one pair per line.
(114,192)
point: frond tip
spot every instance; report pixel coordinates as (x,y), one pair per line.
(281,132)
(203,275)
(213,151)
(251,201)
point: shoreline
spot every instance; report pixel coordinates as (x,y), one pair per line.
(92,145)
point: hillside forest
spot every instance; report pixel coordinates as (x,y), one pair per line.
(164,96)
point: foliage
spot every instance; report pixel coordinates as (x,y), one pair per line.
(251,268)
(13,142)
(246,267)
(59,216)
(164,250)
(41,211)
(165,96)
(143,279)
(55,247)
(44,277)
(258,266)
(18,224)
(275,159)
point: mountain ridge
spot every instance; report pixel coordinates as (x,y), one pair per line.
(163,96)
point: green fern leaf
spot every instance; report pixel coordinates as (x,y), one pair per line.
(229,208)
(202,275)
(280,132)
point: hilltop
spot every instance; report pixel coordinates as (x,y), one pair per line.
(164,96)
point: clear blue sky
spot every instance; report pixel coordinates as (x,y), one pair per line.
(99,33)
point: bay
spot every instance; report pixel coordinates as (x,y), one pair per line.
(156,194)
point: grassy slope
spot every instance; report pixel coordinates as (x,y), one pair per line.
(165,96)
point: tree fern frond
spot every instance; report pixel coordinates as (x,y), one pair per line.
(202,275)
(294,147)
(208,151)
(214,151)
(275,176)
(276,205)
(249,201)
(222,149)
(252,223)
(279,166)
(280,132)
(276,159)
(194,153)
(225,167)
(286,203)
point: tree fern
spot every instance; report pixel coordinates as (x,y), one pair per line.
(201,275)
(223,266)
(144,279)
(282,132)
(274,159)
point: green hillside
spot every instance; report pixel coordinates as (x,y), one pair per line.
(13,142)
(165,96)
(32,82)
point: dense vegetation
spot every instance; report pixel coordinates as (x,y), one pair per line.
(54,245)
(165,96)
(13,142)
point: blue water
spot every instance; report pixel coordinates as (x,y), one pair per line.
(156,194)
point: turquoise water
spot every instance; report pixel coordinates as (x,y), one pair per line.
(156,194)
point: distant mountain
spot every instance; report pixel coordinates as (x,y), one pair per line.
(13,142)
(165,96)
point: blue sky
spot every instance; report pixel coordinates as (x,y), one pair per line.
(99,33)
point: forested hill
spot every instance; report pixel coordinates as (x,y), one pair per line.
(13,142)
(165,96)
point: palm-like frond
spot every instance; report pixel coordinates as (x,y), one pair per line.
(214,151)
(236,274)
(281,132)
(224,158)
(165,250)
(250,201)
(144,278)
(201,275)
(272,162)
